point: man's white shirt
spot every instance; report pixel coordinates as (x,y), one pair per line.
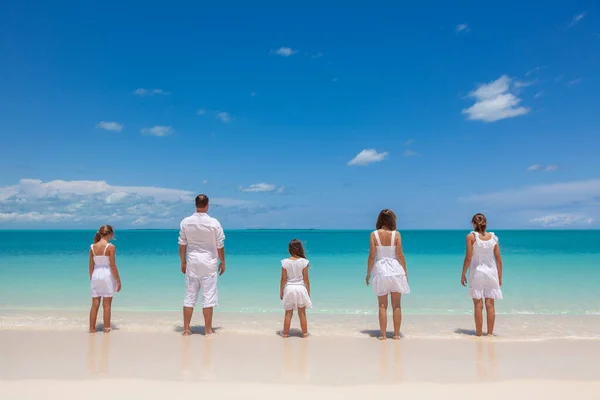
(202,235)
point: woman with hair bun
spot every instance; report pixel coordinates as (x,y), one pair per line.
(484,263)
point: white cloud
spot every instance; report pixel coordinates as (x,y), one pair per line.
(149,92)
(158,130)
(493,102)
(368,156)
(523,84)
(538,94)
(201,111)
(284,51)
(544,168)
(110,126)
(576,19)
(562,220)
(258,187)
(572,194)
(74,203)
(534,70)
(205,181)
(410,153)
(224,117)
(575,82)
(462,27)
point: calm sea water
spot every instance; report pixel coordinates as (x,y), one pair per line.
(545,272)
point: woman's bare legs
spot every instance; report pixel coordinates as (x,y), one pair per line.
(94,313)
(383,305)
(303,322)
(287,322)
(106,308)
(478,310)
(397,313)
(490,311)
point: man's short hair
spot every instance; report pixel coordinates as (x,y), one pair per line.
(201,201)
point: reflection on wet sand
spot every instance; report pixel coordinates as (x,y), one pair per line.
(94,367)
(295,363)
(189,359)
(487,365)
(390,362)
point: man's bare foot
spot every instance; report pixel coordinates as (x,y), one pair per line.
(490,334)
(187,332)
(283,334)
(92,330)
(382,338)
(396,337)
(106,330)
(305,335)
(209,333)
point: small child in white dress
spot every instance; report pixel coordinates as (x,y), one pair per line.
(104,276)
(388,266)
(294,290)
(484,263)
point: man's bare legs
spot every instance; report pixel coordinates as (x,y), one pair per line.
(383,305)
(397,313)
(208,318)
(478,311)
(303,322)
(106,311)
(94,313)
(490,311)
(187,319)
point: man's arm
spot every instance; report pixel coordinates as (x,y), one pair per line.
(182,248)
(221,248)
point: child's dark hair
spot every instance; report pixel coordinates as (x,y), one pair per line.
(296,249)
(386,220)
(480,223)
(104,231)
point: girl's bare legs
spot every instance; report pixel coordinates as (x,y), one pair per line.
(490,310)
(287,322)
(94,313)
(397,313)
(106,307)
(303,322)
(383,305)
(478,308)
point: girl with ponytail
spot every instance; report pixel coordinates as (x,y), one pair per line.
(104,276)
(484,262)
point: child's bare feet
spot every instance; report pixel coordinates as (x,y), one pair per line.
(305,335)
(106,330)
(187,332)
(396,337)
(92,330)
(382,338)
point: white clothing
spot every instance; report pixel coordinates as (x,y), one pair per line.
(102,284)
(210,292)
(388,275)
(295,294)
(483,272)
(202,235)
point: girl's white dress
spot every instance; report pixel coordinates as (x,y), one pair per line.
(103,284)
(483,272)
(295,294)
(388,274)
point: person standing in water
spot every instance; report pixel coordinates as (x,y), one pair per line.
(294,289)
(484,263)
(388,266)
(104,276)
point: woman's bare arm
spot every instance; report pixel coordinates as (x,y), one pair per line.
(371,260)
(112,253)
(91,264)
(400,253)
(306,280)
(468,257)
(283,282)
(498,262)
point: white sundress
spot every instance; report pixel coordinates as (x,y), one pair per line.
(483,272)
(388,274)
(295,294)
(103,284)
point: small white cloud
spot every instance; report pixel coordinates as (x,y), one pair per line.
(462,28)
(576,19)
(158,130)
(149,92)
(258,187)
(522,84)
(534,70)
(410,153)
(318,55)
(284,51)
(575,82)
(544,168)
(224,117)
(204,182)
(201,111)
(140,92)
(562,220)
(368,156)
(534,167)
(538,94)
(551,168)
(409,142)
(110,126)
(493,102)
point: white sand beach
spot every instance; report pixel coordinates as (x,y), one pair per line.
(70,364)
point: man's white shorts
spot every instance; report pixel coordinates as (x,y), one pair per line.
(210,293)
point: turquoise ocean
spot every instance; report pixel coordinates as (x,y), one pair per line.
(547,274)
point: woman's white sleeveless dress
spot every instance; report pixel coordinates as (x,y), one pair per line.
(483,272)
(388,275)
(103,284)
(295,294)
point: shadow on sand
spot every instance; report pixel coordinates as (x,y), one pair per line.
(466,332)
(375,333)
(197,329)
(100,327)
(294,332)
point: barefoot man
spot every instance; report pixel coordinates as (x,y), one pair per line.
(202,254)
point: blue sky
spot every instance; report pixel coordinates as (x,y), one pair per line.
(121,113)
